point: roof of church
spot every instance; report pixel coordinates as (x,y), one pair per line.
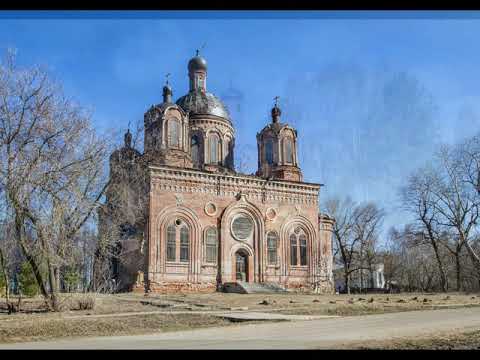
(197,63)
(197,102)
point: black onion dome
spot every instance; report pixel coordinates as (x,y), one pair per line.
(200,103)
(167,90)
(197,63)
(124,153)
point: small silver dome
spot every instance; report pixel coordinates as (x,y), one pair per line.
(197,63)
(197,102)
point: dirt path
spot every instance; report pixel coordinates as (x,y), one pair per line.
(325,333)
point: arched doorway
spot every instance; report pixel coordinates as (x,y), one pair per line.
(241,265)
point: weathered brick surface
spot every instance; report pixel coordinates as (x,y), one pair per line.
(181,287)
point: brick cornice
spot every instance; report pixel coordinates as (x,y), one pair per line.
(258,189)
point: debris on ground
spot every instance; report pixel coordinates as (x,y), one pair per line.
(361,299)
(370,300)
(401,301)
(316,300)
(415,298)
(447,297)
(264,302)
(332,302)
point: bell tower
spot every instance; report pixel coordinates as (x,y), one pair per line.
(197,73)
(277,150)
(167,133)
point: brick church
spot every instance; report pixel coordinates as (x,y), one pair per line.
(202,225)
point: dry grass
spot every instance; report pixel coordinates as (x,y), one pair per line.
(33,324)
(48,328)
(469,340)
(302,304)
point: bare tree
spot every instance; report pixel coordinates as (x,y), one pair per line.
(367,221)
(457,202)
(468,156)
(354,231)
(7,256)
(122,218)
(418,198)
(52,168)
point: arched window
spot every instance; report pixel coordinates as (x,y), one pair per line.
(214,142)
(293,249)
(298,248)
(211,246)
(195,145)
(303,249)
(174,133)
(201,83)
(227,151)
(269,151)
(171,242)
(288,150)
(184,244)
(272,242)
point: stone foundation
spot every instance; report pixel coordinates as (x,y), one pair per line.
(181,287)
(321,288)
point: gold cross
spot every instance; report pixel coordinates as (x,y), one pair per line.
(166,76)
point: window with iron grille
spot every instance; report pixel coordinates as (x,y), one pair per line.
(173,133)
(303,249)
(195,145)
(288,150)
(211,245)
(298,248)
(184,244)
(272,242)
(171,242)
(293,249)
(214,144)
(269,151)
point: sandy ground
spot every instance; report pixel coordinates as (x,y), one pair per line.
(314,334)
(135,314)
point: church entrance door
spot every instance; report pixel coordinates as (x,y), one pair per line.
(241,266)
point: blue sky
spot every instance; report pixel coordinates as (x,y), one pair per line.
(371,94)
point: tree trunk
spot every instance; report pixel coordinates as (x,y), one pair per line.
(457,271)
(443,276)
(3,267)
(53,286)
(31,260)
(347,284)
(431,235)
(475,260)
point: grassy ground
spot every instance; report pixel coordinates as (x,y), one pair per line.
(54,328)
(300,304)
(110,315)
(445,341)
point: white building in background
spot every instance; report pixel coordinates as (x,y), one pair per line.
(360,279)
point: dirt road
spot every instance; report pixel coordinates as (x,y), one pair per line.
(324,333)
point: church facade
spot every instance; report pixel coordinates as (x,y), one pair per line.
(205,225)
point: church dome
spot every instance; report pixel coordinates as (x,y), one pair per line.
(203,103)
(197,63)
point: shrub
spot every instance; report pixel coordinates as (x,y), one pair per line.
(71,279)
(27,281)
(86,302)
